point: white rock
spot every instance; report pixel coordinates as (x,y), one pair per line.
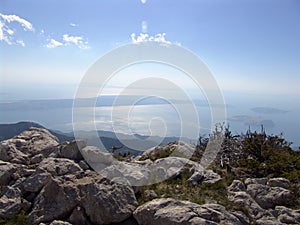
(171,212)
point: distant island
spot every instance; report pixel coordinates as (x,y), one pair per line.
(254,179)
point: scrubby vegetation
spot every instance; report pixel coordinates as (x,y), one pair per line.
(253,154)
(179,188)
(256,154)
(19,219)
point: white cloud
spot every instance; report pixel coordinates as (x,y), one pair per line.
(53,44)
(73,25)
(14,18)
(20,42)
(72,39)
(76,40)
(10,32)
(7,34)
(144,37)
(1,31)
(144,26)
(4,34)
(68,40)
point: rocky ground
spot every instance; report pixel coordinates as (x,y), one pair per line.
(45,182)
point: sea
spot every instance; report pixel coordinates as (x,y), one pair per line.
(276,115)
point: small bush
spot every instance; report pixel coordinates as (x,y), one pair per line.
(18,219)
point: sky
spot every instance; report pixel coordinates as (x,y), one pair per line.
(251,46)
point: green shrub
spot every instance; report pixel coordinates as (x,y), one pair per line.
(18,219)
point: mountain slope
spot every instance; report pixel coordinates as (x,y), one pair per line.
(10,130)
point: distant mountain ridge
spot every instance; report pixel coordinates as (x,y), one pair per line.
(108,138)
(8,131)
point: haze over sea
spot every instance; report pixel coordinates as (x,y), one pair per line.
(278,114)
(251,48)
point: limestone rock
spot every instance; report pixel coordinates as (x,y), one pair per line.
(262,181)
(130,221)
(10,202)
(34,141)
(175,149)
(36,182)
(59,222)
(71,150)
(269,197)
(56,200)
(237,186)
(286,215)
(59,166)
(97,159)
(204,177)
(6,172)
(145,172)
(24,146)
(127,173)
(150,194)
(244,199)
(279,182)
(267,221)
(170,212)
(79,217)
(241,216)
(102,201)
(106,202)
(9,153)
(37,158)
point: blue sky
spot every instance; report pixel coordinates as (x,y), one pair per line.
(251,46)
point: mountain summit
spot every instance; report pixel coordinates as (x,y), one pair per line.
(43,182)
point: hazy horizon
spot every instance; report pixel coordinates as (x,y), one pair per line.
(251,47)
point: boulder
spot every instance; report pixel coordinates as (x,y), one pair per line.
(204,177)
(56,200)
(37,159)
(130,221)
(71,150)
(79,217)
(237,186)
(262,181)
(127,173)
(168,211)
(241,216)
(96,158)
(21,148)
(245,200)
(286,215)
(145,172)
(59,166)
(261,199)
(34,141)
(106,202)
(175,149)
(103,202)
(279,182)
(10,202)
(6,172)
(267,221)
(9,153)
(37,181)
(59,222)
(150,195)
(83,165)
(269,197)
